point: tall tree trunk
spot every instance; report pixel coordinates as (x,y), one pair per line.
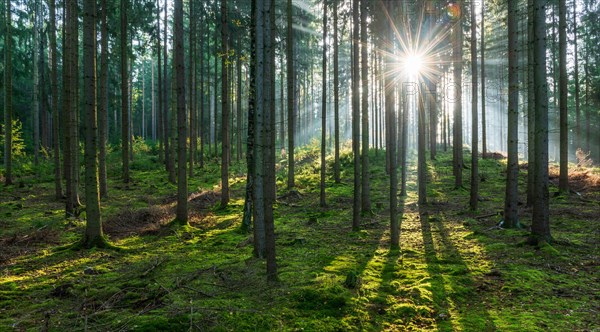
(202,132)
(457,141)
(540,227)
(578,135)
(483,120)
(324,108)
(250,141)
(58,192)
(260,104)
(355,118)
(93,229)
(291,93)
(563,179)
(191,86)
(103,102)
(167,115)
(530,103)
(474,118)
(365,190)
(224,107)
(336,97)
(182,193)
(124,94)
(36,82)
(8,122)
(511,212)
(421,161)
(390,105)
(269,139)
(160,87)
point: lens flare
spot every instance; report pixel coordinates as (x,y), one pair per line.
(413,64)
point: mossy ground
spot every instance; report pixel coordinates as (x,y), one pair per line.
(454,271)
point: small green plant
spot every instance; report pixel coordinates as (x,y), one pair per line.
(18,144)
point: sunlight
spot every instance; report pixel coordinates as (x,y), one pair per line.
(413,64)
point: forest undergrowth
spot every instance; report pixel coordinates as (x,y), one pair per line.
(456,269)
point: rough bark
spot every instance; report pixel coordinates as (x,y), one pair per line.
(563,179)
(182,193)
(58,191)
(365,185)
(540,227)
(511,216)
(355,118)
(474,197)
(224,107)
(336,97)
(93,226)
(291,93)
(8,97)
(103,102)
(124,95)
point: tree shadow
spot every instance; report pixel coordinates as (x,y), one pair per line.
(452,284)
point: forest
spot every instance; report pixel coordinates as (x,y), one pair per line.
(300,165)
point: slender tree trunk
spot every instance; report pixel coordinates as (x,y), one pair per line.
(191,86)
(540,227)
(103,102)
(224,107)
(167,116)
(563,179)
(269,139)
(511,212)
(530,103)
(365,190)
(355,117)
(160,87)
(578,135)
(58,192)
(336,97)
(8,122)
(202,131)
(182,191)
(483,120)
(421,161)
(474,117)
(93,229)
(124,94)
(36,83)
(291,93)
(390,105)
(457,141)
(250,140)
(324,108)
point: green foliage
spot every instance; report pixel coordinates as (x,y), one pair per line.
(18,144)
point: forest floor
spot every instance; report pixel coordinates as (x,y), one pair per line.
(456,269)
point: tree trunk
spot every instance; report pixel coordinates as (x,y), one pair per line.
(511,212)
(355,118)
(224,107)
(58,192)
(457,141)
(474,118)
(336,97)
(124,94)
(324,108)
(191,86)
(390,105)
(291,93)
(103,102)
(540,227)
(36,83)
(365,190)
(182,193)
(160,87)
(8,122)
(249,203)
(483,120)
(578,136)
(93,229)
(530,103)
(563,179)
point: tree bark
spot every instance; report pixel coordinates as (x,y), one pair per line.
(511,212)
(356,118)
(291,93)
(224,107)
(103,102)
(540,227)
(563,179)
(365,190)
(124,95)
(58,192)
(93,229)
(336,97)
(457,141)
(474,197)
(8,122)
(324,108)
(182,193)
